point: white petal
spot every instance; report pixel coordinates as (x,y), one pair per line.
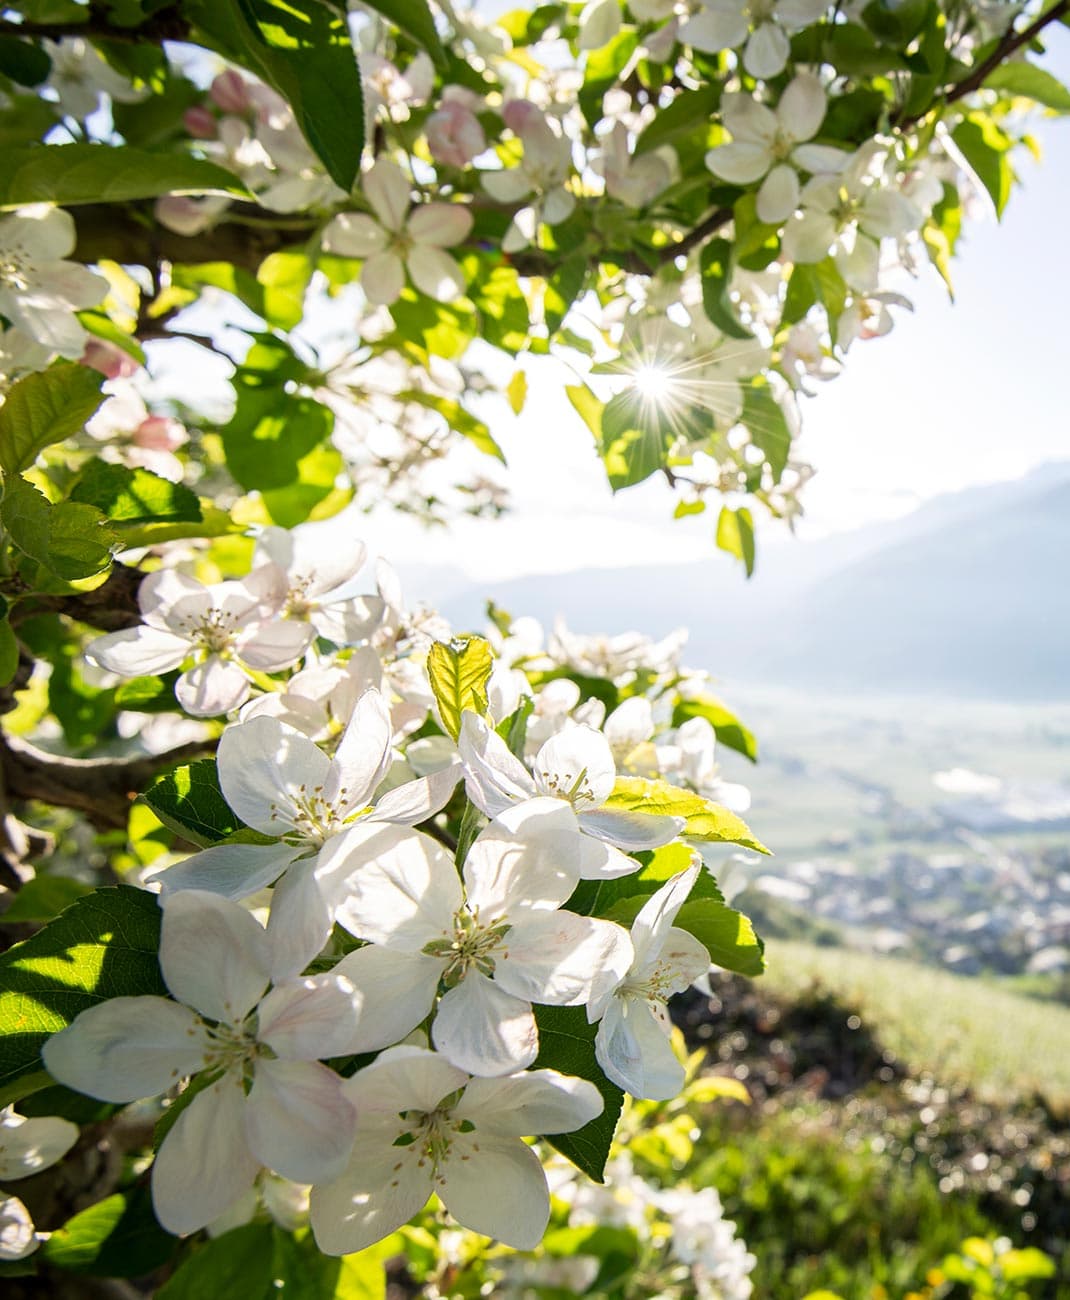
(496,1186)
(633,1048)
(808,238)
(320,556)
(739,162)
(388,191)
(231,870)
(494,777)
(347,622)
(29,1145)
(309,1019)
(630,724)
(362,756)
(554,957)
(651,927)
(802,106)
(796,14)
(441,224)
(767,51)
(576,764)
(394,886)
(679,962)
(267,770)
(710,31)
(435,273)
(127,1048)
(401,1078)
(298,1121)
(528,857)
(507,186)
(858,261)
(300,921)
(212,688)
(779,195)
(138,650)
(354,234)
(484,1030)
(558,205)
(275,645)
(749,120)
(819,159)
(394,992)
(886,212)
(635,831)
(530,1104)
(382,278)
(383,1187)
(416,801)
(213,954)
(204,1164)
(17,1236)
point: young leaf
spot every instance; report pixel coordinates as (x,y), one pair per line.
(239,1263)
(727,935)
(101,173)
(190,802)
(104,946)
(117,1237)
(44,408)
(459,670)
(704,820)
(735,534)
(727,727)
(129,496)
(566,1043)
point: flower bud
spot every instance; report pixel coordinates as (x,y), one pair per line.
(159,433)
(230,92)
(519,114)
(199,122)
(109,359)
(454,135)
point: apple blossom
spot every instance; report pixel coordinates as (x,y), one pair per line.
(497,944)
(575,769)
(454,134)
(763,25)
(633,180)
(282,785)
(39,290)
(230,629)
(424,1126)
(80,75)
(632,1044)
(397,240)
(27,1146)
(216,961)
(772,144)
(541,173)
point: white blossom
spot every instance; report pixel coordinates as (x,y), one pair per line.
(294,1119)
(762,26)
(424,1126)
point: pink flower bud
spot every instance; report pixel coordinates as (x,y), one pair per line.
(454,135)
(230,91)
(200,123)
(109,359)
(159,433)
(519,114)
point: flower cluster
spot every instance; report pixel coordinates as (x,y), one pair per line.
(420,875)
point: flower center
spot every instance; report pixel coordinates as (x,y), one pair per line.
(313,819)
(429,1133)
(212,632)
(563,785)
(473,946)
(16,267)
(234,1047)
(298,603)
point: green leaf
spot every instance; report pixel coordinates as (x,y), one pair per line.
(43,898)
(984,146)
(621,898)
(45,408)
(459,671)
(239,1263)
(566,1044)
(100,173)
(764,417)
(1032,82)
(413,17)
(516,391)
(727,935)
(563,287)
(117,1237)
(104,946)
(284,277)
(635,441)
(270,432)
(305,52)
(69,538)
(9,652)
(704,820)
(588,407)
(715,264)
(728,728)
(301,1272)
(690,110)
(127,495)
(190,802)
(735,534)
(25,63)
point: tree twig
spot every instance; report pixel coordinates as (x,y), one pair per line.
(164,25)
(101,788)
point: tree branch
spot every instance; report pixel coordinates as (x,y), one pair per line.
(110,607)
(1012,42)
(708,226)
(165,25)
(101,788)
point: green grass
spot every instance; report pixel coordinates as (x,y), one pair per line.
(1002,1045)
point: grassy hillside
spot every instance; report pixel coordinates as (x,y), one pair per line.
(968,1031)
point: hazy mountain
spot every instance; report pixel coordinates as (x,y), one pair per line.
(967,595)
